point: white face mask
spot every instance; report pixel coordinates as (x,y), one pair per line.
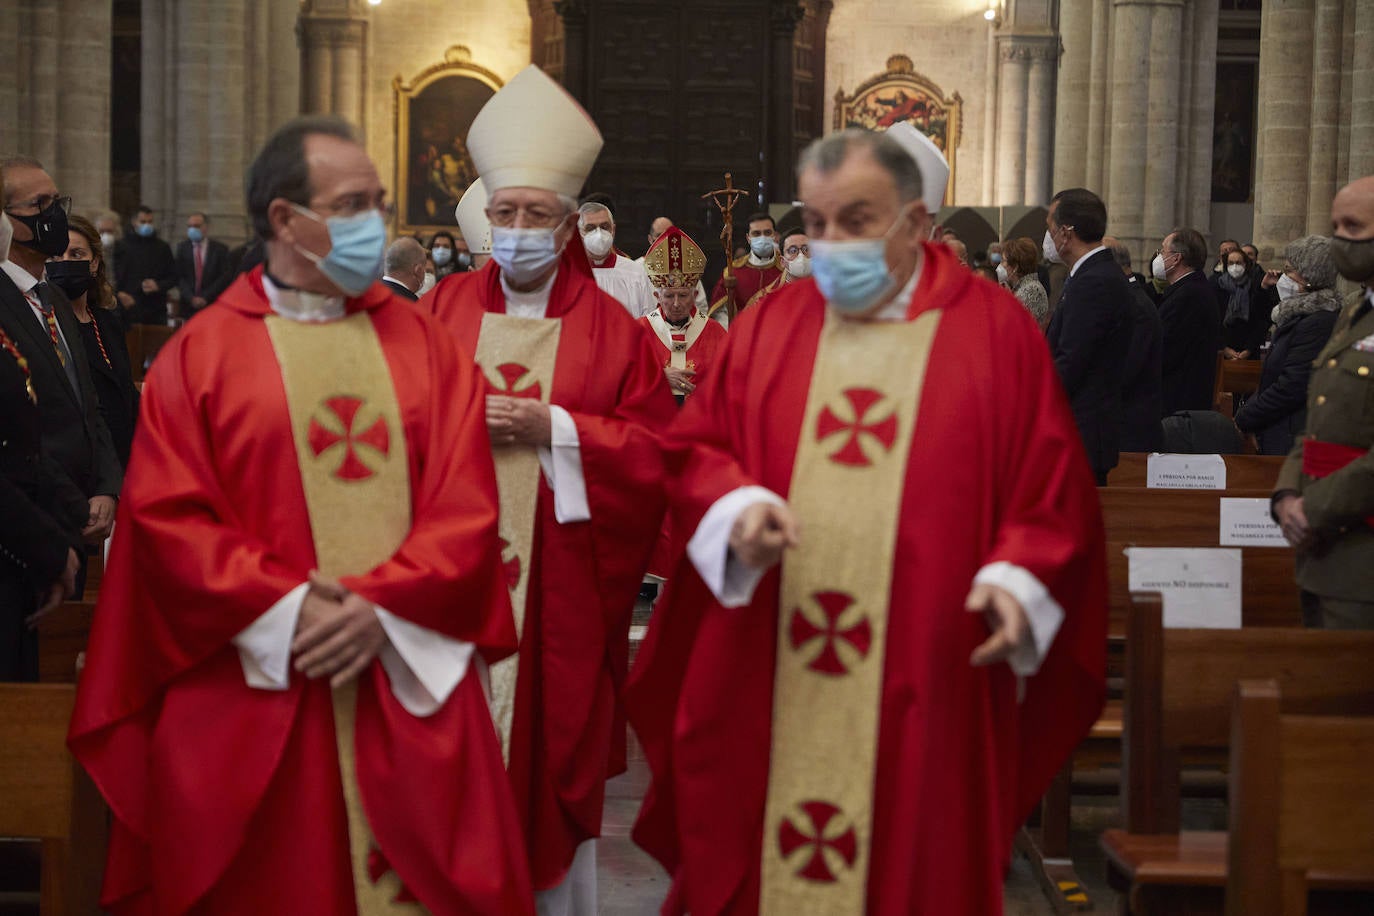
(524,254)
(799,267)
(107,239)
(1158,269)
(598,243)
(1002,273)
(1236,271)
(1049,249)
(1288,287)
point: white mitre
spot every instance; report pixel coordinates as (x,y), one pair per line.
(533,134)
(471,214)
(932,163)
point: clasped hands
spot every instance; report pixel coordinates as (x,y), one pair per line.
(764,530)
(338,633)
(518,421)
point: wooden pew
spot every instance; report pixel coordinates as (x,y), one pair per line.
(45,795)
(1233,378)
(1179,683)
(1243,472)
(143,341)
(62,636)
(1302,807)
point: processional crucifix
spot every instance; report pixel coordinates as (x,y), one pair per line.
(725,199)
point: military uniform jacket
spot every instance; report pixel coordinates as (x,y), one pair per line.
(1340,410)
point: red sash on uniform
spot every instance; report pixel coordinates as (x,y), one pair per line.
(1320,459)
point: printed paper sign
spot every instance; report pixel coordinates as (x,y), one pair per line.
(1200,585)
(1185,472)
(1246,523)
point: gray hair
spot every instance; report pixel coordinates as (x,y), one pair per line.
(588,209)
(403,254)
(1311,257)
(1122,255)
(828,153)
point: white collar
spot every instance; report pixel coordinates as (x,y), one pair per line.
(21,277)
(531,304)
(1079,263)
(394,280)
(766,262)
(301,305)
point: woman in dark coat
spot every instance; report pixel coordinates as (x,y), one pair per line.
(80,274)
(1245,306)
(1306,313)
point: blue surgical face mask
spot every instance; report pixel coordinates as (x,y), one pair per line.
(194,233)
(441,255)
(995,258)
(762,246)
(523,254)
(356,246)
(853,275)
(144,229)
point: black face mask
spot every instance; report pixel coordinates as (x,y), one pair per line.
(72,277)
(463,260)
(49,230)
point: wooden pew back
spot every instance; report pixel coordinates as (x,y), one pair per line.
(1243,472)
(62,636)
(45,795)
(1301,802)
(1179,683)
(143,342)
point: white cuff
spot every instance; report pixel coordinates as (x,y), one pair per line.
(424,666)
(265,644)
(562,464)
(1042,612)
(731,581)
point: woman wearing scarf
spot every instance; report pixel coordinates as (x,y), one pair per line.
(1245,306)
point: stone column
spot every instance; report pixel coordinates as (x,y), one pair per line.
(1013,81)
(333,42)
(1323,142)
(1194,193)
(994,96)
(1128,108)
(1044,57)
(1075,91)
(1360,25)
(1282,132)
(1161,125)
(1099,81)
(780,142)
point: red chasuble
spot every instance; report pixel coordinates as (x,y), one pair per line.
(701,340)
(228,799)
(995,473)
(568,733)
(748,281)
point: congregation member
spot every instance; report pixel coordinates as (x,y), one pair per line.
(1141,372)
(37,316)
(618,276)
(575,400)
(447,256)
(404,268)
(81,274)
(1190,321)
(842,649)
(281,701)
(960,250)
(755,269)
(1090,333)
(107,224)
(1245,304)
(41,514)
(202,266)
(1252,253)
(685,341)
(1324,497)
(796,263)
(1020,257)
(1303,319)
(1134,277)
(145,271)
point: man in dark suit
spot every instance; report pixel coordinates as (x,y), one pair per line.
(1190,320)
(1141,381)
(405,268)
(38,317)
(202,266)
(1090,332)
(145,271)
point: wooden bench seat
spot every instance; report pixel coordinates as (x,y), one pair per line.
(1243,472)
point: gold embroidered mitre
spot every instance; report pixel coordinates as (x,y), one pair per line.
(674,260)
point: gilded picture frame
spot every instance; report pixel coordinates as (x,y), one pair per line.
(433,113)
(901,94)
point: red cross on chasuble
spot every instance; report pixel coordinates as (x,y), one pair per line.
(346,422)
(847,480)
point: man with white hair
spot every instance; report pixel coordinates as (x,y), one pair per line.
(405,268)
(618,276)
(867,726)
(576,401)
(659,226)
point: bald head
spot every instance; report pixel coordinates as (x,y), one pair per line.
(1352,230)
(658,227)
(405,263)
(959,248)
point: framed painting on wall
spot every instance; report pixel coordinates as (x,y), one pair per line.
(901,94)
(433,114)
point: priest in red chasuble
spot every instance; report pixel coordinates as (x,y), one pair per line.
(575,400)
(279,701)
(685,339)
(888,631)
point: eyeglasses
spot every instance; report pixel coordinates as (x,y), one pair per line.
(353,204)
(793,250)
(43,202)
(504,217)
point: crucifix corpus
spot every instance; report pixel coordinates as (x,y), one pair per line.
(725,199)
